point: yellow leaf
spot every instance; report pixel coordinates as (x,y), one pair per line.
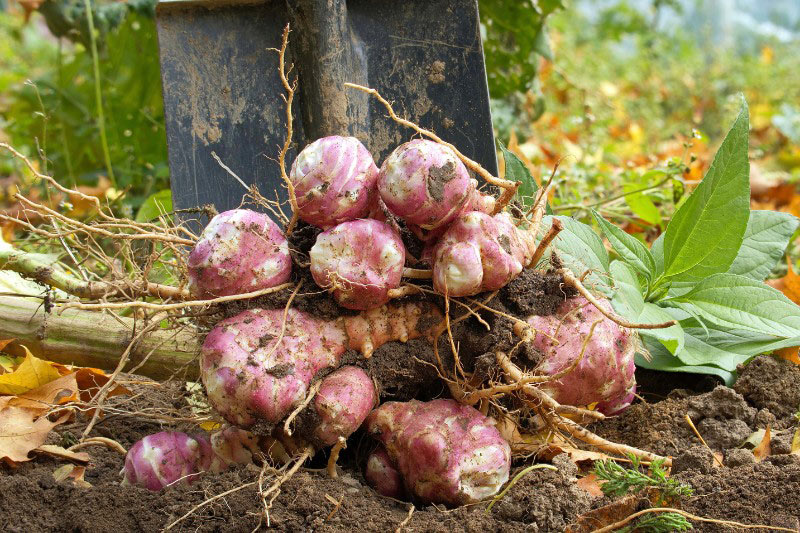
(796,442)
(32,373)
(210,425)
(764,448)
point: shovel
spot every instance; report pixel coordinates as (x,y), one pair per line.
(222,91)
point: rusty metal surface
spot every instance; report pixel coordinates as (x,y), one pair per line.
(222,92)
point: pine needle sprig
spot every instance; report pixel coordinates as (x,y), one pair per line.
(660,523)
(620,480)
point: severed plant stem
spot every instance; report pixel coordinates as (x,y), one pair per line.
(31,267)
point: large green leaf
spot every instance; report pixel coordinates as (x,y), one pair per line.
(706,232)
(629,248)
(628,302)
(737,302)
(766,238)
(581,249)
(516,170)
(662,359)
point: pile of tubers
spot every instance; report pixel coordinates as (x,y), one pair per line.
(263,368)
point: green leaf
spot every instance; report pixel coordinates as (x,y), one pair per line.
(662,359)
(581,249)
(155,205)
(657,251)
(641,205)
(629,248)
(516,170)
(627,299)
(628,302)
(738,302)
(706,232)
(727,348)
(766,238)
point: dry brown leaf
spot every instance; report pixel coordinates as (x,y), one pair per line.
(5,342)
(605,515)
(30,374)
(591,485)
(80,458)
(89,380)
(764,448)
(23,430)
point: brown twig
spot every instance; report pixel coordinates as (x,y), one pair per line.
(509,187)
(175,306)
(617,525)
(571,280)
(99,441)
(403,524)
(514,373)
(287,98)
(312,391)
(104,390)
(552,233)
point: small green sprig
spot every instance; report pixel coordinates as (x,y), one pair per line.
(620,481)
(658,523)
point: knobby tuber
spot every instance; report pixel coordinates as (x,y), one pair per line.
(479,253)
(605,373)
(239,251)
(169,457)
(259,364)
(427,185)
(360,261)
(342,403)
(334,181)
(445,452)
(382,474)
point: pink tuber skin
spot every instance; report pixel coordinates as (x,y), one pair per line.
(239,251)
(256,369)
(382,475)
(171,457)
(478,253)
(333,179)
(342,403)
(427,185)
(446,452)
(360,262)
(605,374)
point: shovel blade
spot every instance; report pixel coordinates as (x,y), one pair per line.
(222,93)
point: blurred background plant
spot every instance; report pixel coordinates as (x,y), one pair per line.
(631,96)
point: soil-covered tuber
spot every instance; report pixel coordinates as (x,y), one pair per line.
(604,375)
(427,185)
(479,252)
(169,457)
(382,475)
(342,403)
(446,452)
(239,251)
(258,365)
(359,261)
(334,178)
